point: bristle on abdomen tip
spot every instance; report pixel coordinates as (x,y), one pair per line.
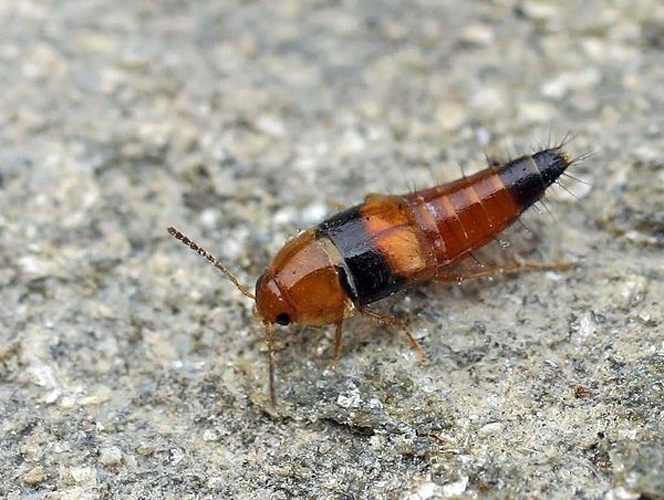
(551,164)
(528,177)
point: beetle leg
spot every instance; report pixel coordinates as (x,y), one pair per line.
(514,267)
(389,320)
(338,343)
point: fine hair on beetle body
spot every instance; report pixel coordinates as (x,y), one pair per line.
(390,243)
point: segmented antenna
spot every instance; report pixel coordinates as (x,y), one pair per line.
(212,260)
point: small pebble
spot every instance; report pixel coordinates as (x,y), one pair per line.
(110,456)
(34,476)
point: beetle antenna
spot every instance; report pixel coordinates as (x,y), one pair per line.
(270,355)
(212,260)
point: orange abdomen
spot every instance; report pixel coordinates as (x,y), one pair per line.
(389,243)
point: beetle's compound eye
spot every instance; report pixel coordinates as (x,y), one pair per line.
(283,319)
(271,303)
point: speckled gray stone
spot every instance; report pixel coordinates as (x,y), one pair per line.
(131,369)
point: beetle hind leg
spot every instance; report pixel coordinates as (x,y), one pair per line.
(513,267)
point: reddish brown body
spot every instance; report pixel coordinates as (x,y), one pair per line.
(390,243)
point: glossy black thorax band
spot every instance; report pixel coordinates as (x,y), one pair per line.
(369,276)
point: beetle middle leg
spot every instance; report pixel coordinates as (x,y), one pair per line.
(389,320)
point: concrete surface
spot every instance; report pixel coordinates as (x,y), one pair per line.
(131,369)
